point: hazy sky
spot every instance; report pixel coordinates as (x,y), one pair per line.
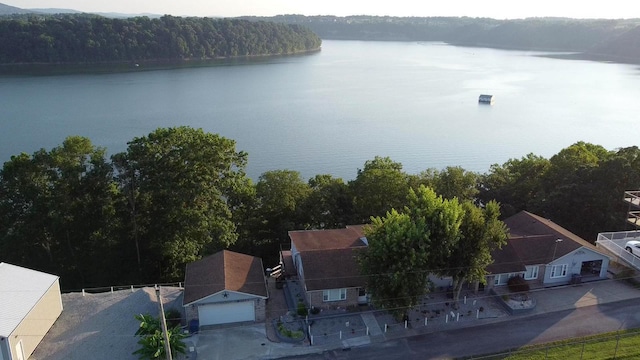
(499,9)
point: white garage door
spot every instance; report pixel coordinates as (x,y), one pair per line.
(223,313)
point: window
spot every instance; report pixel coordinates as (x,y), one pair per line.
(496,280)
(558,271)
(334,295)
(531,273)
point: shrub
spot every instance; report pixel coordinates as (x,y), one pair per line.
(315,311)
(302,309)
(518,284)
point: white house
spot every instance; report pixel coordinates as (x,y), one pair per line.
(545,254)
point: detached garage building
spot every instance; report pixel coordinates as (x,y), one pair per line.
(226,287)
(30,303)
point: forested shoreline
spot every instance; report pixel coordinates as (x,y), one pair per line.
(85,38)
(178,194)
(596,39)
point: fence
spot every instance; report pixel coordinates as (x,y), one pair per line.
(98,290)
(615,241)
(616,346)
(334,337)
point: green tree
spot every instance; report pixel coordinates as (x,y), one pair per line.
(179,183)
(405,247)
(451,182)
(481,231)
(379,187)
(517,184)
(152,340)
(57,212)
(279,196)
(329,205)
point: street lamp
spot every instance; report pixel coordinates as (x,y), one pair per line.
(555,247)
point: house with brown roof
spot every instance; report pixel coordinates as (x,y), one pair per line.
(226,287)
(545,254)
(326,265)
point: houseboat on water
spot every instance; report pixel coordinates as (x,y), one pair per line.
(486,99)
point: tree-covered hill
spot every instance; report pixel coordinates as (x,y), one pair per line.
(89,38)
(6,9)
(615,40)
(623,48)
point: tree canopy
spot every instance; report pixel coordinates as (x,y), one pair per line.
(602,39)
(431,235)
(405,247)
(84,38)
(178,182)
(178,194)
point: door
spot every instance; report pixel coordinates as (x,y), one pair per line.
(224,313)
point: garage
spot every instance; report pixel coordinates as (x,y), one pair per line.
(224,313)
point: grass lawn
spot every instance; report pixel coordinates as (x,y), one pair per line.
(619,345)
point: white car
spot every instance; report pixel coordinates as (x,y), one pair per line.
(633,247)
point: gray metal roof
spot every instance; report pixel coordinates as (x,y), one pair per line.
(20,291)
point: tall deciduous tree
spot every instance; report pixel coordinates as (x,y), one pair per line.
(378,188)
(279,197)
(178,183)
(57,212)
(516,184)
(404,248)
(453,181)
(481,231)
(329,205)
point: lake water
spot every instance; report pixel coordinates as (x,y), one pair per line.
(331,111)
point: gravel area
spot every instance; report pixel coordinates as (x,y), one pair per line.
(101,326)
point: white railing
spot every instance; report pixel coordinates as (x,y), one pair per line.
(619,235)
(615,241)
(632,197)
(112,289)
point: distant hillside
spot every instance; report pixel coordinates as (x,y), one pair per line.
(90,39)
(7,10)
(10,10)
(54,11)
(610,39)
(624,47)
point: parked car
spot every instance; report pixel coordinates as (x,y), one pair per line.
(633,247)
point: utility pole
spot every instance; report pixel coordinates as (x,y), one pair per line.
(163,322)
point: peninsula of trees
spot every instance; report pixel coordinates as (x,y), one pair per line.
(178,194)
(84,38)
(599,39)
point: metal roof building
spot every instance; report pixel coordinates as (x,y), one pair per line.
(30,303)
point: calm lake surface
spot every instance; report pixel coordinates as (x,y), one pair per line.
(331,111)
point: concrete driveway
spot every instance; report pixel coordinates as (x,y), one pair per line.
(250,341)
(245,342)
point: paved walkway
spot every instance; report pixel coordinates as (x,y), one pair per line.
(350,329)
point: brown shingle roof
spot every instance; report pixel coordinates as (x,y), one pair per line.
(306,240)
(332,269)
(532,241)
(525,223)
(505,260)
(225,270)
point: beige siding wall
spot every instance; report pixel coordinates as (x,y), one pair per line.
(38,322)
(316,300)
